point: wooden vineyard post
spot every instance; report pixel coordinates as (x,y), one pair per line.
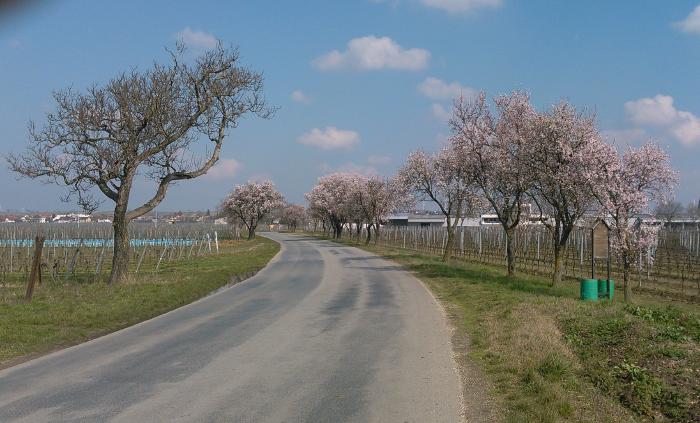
(143,253)
(35,273)
(600,245)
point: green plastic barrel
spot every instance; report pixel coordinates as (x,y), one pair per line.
(589,289)
(602,288)
(611,289)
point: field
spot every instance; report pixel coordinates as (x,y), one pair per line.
(83,252)
(66,312)
(553,358)
(671,268)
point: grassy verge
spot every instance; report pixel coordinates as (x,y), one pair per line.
(63,314)
(553,358)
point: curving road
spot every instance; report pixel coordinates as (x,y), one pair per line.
(325,333)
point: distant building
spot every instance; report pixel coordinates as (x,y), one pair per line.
(438,220)
(416,220)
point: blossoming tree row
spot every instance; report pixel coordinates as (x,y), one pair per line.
(509,158)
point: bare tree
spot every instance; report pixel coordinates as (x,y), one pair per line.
(667,210)
(148,123)
(693,209)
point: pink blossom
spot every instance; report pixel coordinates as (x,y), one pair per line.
(250,202)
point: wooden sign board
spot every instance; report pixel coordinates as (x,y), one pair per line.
(600,240)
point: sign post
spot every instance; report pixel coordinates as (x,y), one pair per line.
(600,245)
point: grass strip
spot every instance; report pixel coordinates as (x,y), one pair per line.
(553,358)
(63,314)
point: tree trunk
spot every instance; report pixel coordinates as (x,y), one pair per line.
(338,230)
(626,278)
(120,260)
(561,237)
(369,234)
(450,241)
(558,264)
(251,233)
(510,251)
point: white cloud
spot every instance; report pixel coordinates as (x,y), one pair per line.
(440,112)
(374,53)
(378,160)
(691,24)
(330,138)
(461,6)
(224,169)
(299,97)
(438,89)
(197,39)
(659,111)
(687,129)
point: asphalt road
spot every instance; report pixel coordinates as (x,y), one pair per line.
(325,333)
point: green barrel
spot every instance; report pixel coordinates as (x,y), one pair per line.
(602,288)
(611,288)
(589,289)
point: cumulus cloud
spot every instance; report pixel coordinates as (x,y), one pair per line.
(197,39)
(438,89)
(299,97)
(224,169)
(660,112)
(374,53)
(330,138)
(461,6)
(691,24)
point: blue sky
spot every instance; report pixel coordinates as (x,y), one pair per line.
(361,83)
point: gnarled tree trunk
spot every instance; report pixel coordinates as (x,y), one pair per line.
(510,251)
(120,259)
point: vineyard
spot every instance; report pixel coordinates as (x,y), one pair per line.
(672,266)
(83,252)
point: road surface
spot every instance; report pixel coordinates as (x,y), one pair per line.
(326,333)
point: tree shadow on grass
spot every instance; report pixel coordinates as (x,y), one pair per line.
(477,274)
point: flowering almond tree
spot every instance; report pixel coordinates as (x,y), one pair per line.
(356,184)
(564,148)
(141,123)
(626,185)
(251,202)
(293,215)
(376,198)
(446,179)
(331,200)
(497,148)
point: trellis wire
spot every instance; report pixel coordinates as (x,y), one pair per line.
(79,251)
(672,265)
